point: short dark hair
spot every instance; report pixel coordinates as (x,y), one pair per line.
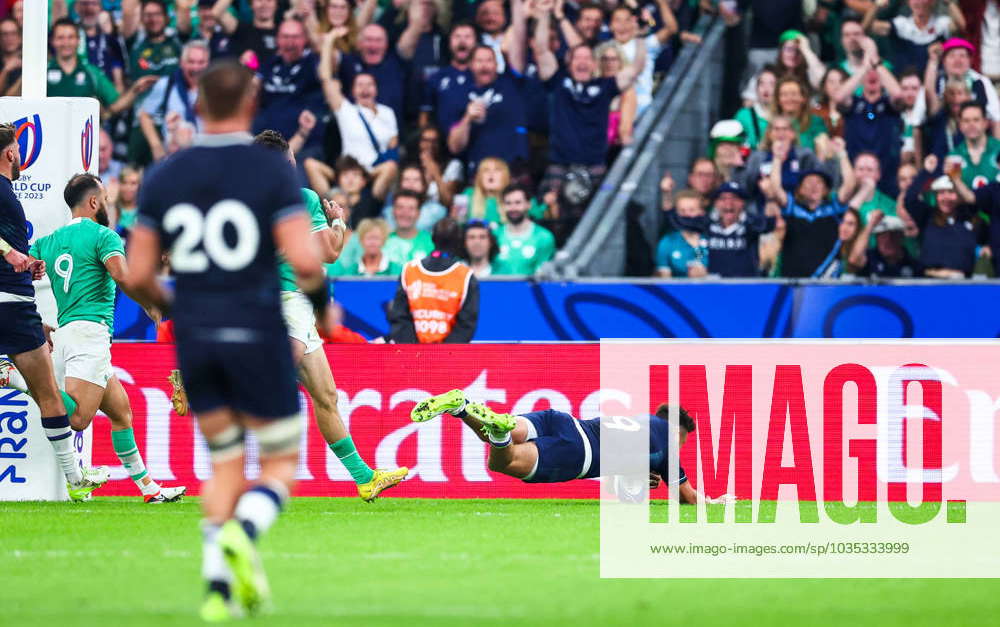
(348,163)
(515,187)
(63,21)
(447,236)
(272,140)
(222,88)
(8,134)
(79,187)
(972,104)
(480,224)
(159,3)
(463,24)
(685,420)
(407,193)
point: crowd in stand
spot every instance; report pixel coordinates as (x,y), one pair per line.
(503,114)
(867,145)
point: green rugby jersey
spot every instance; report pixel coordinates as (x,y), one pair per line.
(986,171)
(86,81)
(523,255)
(400,250)
(286,276)
(74,258)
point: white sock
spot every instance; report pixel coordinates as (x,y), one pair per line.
(16,381)
(61,438)
(213,566)
(259,507)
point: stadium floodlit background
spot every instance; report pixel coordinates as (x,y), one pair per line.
(651,213)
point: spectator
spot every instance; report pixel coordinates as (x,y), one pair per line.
(438,299)
(368,129)
(444,176)
(791,99)
(684,252)
(811,216)
(983,32)
(978,152)
(911,35)
(372,233)
(411,177)
(987,200)
(352,191)
(888,258)
(69,75)
(211,31)
(124,197)
(524,245)
(494,121)
(956,58)
(942,131)
(641,51)
(446,94)
(838,263)
(376,58)
(949,229)
(407,242)
(772,21)
(779,136)
(481,248)
(251,42)
(290,85)
(914,114)
(578,115)
(176,93)
(703,177)
(794,59)
(867,168)
(108,167)
(726,149)
(10,56)
(871,119)
(621,114)
(491,21)
(338,15)
(481,199)
(587,27)
(852,34)
(104,47)
(755,116)
(904,177)
(826,105)
(733,235)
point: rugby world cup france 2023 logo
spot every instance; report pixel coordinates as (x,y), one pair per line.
(29,139)
(87,143)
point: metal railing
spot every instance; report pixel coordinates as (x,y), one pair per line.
(671,133)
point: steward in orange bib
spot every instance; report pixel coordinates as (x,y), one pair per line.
(438,297)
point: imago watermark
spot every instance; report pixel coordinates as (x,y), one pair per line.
(800,458)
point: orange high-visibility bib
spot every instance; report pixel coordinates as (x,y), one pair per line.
(435,298)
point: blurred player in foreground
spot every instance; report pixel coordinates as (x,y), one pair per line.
(84,261)
(551,446)
(22,336)
(223,208)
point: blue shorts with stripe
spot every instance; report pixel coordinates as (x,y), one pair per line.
(20,328)
(567,449)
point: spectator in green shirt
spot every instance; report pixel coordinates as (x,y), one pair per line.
(754,118)
(481,248)
(69,75)
(407,242)
(524,246)
(791,98)
(979,152)
(373,233)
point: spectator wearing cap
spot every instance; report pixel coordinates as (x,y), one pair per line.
(755,116)
(910,35)
(811,215)
(578,115)
(956,61)
(732,235)
(888,258)
(726,149)
(684,252)
(979,151)
(780,136)
(949,229)
(872,121)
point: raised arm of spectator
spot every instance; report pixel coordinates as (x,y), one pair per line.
(858,255)
(918,209)
(515,39)
(848,182)
(627,75)
(57,10)
(568,31)
(890,85)
(126,100)
(226,19)
(366,13)
(670,27)
(548,65)
(848,87)
(872,26)
(816,68)
(930,79)
(307,122)
(328,61)
(966,195)
(182,9)
(458,136)
(771,186)
(958,22)
(417,20)
(131,10)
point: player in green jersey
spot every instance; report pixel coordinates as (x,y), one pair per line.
(84,260)
(314,369)
(524,245)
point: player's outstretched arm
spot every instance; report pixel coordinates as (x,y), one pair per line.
(144,261)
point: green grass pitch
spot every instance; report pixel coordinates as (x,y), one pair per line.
(114,562)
